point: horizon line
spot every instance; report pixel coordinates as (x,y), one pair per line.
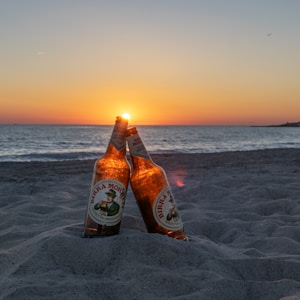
(157,125)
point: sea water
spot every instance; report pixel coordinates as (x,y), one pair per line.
(65,142)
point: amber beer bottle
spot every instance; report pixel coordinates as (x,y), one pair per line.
(109,186)
(152,191)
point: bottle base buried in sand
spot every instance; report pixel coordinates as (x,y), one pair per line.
(161,220)
(172,228)
(178,236)
(99,231)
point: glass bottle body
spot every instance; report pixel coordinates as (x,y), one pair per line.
(108,189)
(152,192)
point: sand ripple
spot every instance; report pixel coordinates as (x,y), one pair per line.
(241,211)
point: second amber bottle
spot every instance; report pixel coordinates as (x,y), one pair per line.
(152,191)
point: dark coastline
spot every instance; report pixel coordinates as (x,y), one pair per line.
(294,124)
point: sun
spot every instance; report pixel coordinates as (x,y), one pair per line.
(126,116)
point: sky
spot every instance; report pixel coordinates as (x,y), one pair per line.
(165,62)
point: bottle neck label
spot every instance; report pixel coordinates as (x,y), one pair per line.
(137,147)
(165,211)
(106,202)
(118,137)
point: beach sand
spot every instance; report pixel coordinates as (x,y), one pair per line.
(241,212)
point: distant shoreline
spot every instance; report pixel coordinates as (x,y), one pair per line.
(294,124)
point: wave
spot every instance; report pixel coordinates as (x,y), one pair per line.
(51,156)
(58,143)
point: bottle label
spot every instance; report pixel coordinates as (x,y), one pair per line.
(165,211)
(106,202)
(137,147)
(118,137)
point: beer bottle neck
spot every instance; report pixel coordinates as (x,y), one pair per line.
(137,148)
(117,143)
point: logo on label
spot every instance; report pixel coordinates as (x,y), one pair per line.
(165,211)
(106,202)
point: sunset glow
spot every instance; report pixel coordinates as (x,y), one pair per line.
(194,63)
(126,116)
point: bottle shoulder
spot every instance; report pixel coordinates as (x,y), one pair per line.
(145,163)
(148,169)
(112,160)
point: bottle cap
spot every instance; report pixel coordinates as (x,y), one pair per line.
(120,119)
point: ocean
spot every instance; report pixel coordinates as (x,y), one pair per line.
(72,142)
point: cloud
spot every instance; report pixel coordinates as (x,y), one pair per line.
(41,53)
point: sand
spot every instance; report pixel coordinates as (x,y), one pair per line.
(241,212)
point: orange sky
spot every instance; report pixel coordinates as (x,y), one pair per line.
(170,63)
